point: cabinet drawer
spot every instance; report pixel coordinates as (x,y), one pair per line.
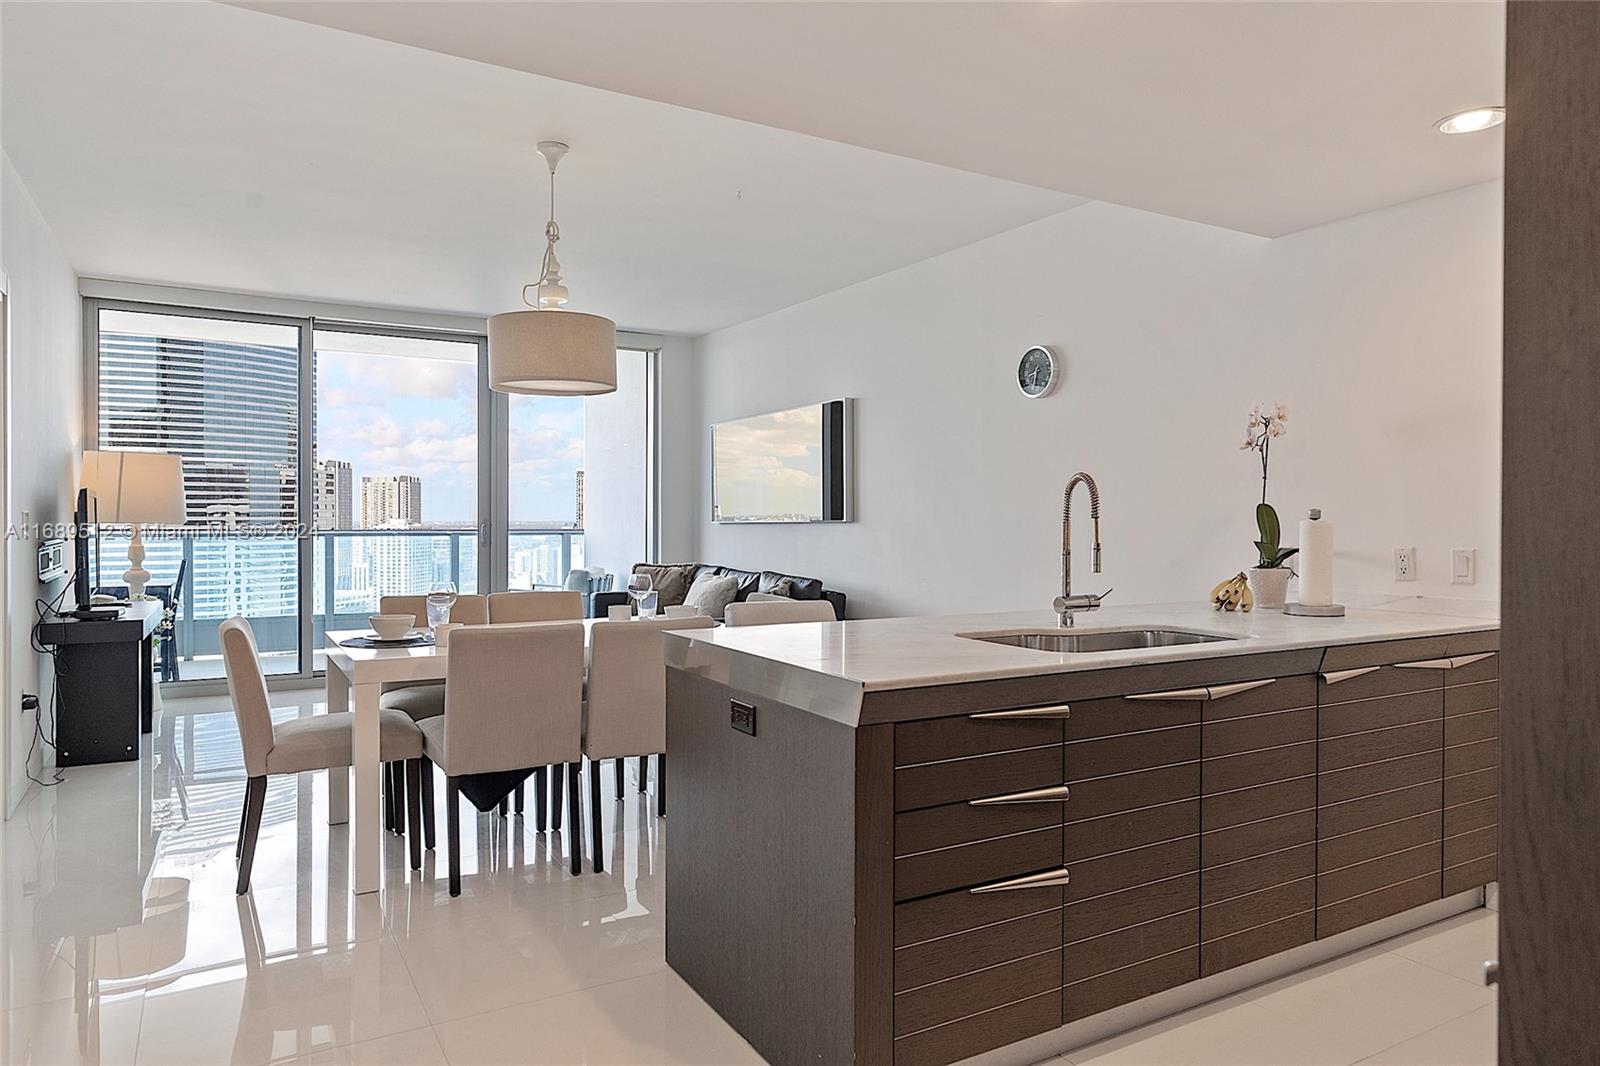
(1474,873)
(1117,832)
(1377,684)
(1116,715)
(1379,903)
(1362,716)
(976,949)
(1487,669)
(1390,742)
(1257,838)
(931,740)
(980,1032)
(961,823)
(1148,940)
(976,863)
(1226,952)
(1146,788)
(956,912)
(1465,817)
(1474,844)
(1106,756)
(1479,784)
(1466,758)
(974,777)
(1426,860)
(1112,873)
(1475,725)
(1097,915)
(1134,981)
(1286,693)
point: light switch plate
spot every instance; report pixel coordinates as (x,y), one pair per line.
(1464,566)
(1405,564)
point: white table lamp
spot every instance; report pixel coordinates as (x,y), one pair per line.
(136,488)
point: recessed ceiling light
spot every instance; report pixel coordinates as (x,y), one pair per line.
(1479,118)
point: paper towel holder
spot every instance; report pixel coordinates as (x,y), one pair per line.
(1332,610)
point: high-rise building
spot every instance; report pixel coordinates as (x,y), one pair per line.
(579,512)
(392,501)
(334,501)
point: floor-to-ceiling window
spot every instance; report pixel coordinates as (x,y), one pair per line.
(395,465)
(415,474)
(223,392)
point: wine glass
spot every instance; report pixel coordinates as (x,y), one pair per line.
(441,598)
(642,591)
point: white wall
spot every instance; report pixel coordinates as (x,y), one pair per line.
(679,458)
(615,454)
(1381,333)
(45,435)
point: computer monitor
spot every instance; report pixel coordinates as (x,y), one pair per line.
(85,524)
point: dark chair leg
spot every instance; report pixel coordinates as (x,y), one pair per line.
(541,800)
(594,816)
(427,802)
(517,806)
(502,806)
(255,797)
(644,772)
(452,822)
(661,785)
(575,815)
(414,810)
(557,773)
(244,815)
(388,798)
(621,774)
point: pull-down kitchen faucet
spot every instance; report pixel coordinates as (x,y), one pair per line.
(1067,604)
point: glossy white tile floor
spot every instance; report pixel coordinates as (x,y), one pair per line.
(121,941)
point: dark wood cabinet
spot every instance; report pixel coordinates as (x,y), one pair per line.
(1472,774)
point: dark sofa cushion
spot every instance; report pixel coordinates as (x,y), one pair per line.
(798,588)
(670,580)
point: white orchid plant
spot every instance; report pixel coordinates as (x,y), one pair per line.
(1267,423)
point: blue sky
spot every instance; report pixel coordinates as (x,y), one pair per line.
(417,414)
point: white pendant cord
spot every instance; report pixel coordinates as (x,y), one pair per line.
(550,267)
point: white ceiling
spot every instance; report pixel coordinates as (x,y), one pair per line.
(206,146)
(729,158)
(1261,117)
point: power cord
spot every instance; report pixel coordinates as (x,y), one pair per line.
(44,610)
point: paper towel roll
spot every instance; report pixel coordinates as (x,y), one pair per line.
(1316,560)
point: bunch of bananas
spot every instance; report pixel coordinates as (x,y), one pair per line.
(1233,594)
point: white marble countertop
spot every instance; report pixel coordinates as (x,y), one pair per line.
(889,653)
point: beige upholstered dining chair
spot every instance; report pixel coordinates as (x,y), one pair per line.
(513,701)
(320,742)
(537,606)
(625,709)
(424,699)
(771,612)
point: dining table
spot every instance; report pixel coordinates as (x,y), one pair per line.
(355,677)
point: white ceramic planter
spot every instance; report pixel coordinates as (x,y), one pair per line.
(1270,586)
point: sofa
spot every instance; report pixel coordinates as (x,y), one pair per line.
(673,586)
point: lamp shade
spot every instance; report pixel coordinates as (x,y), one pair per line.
(552,353)
(142,487)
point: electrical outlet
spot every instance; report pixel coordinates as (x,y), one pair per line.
(1464,566)
(1405,564)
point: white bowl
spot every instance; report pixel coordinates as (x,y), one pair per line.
(391,626)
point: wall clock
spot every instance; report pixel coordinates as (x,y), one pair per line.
(1038,372)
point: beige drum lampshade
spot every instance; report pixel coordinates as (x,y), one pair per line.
(136,487)
(552,353)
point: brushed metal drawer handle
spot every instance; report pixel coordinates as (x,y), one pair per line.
(1209,692)
(1047,879)
(1345,675)
(1453,663)
(1058,710)
(1052,794)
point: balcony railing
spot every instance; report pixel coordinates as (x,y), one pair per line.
(258,577)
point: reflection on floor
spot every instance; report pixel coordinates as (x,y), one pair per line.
(122,941)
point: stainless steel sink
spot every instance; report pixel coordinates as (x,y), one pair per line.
(1056,641)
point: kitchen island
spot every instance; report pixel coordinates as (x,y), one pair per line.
(897,842)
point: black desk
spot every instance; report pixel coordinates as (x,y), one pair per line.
(104,684)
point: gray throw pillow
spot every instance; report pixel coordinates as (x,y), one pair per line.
(712,594)
(671,582)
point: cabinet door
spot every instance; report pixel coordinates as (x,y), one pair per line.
(1380,770)
(1258,802)
(1471,773)
(1131,924)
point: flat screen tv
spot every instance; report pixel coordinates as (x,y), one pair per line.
(787,466)
(85,524)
